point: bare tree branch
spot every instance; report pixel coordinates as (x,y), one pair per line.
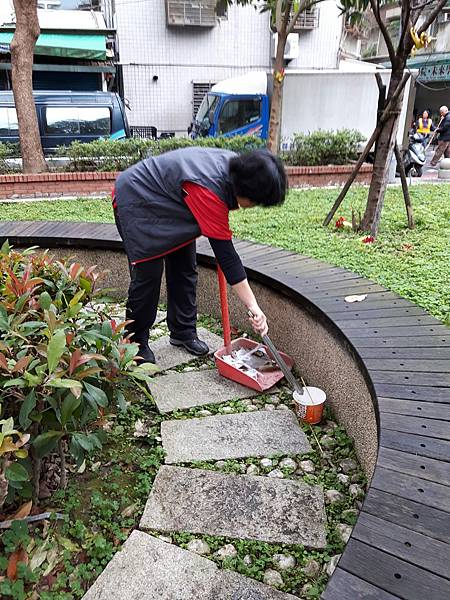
(278,14)
(406,14)
(286,15)
(387,38)
(432,16)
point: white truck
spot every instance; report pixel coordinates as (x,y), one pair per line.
(332,99)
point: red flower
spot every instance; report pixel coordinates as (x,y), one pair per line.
(368,240)
(340,223)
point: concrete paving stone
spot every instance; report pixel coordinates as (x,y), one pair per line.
(177,391)
(238,506)
(147,568)
(237,435)
(161,316)
(168,357)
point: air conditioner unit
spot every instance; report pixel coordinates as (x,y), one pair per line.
(291,49)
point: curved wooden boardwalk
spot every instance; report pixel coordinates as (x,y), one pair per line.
(400,546)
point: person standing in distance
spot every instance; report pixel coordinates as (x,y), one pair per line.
(443,147)
(161,205)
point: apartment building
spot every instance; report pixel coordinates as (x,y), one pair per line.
(172,51)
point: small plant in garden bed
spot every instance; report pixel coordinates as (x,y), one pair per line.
(61,368)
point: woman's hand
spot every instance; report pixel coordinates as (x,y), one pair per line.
(258,320)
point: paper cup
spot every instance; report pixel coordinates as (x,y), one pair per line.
(309,405)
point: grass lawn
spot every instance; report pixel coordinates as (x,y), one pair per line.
(415,264)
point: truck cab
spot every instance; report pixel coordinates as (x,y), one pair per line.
(238,106)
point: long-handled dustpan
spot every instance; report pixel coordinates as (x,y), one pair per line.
(242,360)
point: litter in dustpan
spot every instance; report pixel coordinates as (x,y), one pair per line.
(257,371)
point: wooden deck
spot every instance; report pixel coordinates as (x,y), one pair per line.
(400,546)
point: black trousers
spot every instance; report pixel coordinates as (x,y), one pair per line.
(144,292)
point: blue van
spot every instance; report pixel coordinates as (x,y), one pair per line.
(65,116)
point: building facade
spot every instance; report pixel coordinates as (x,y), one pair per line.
(172,51)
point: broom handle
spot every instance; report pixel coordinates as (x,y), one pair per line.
(434,133)
(224,309)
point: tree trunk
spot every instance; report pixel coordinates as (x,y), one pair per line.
(385,149)
(22,50)
(273,142)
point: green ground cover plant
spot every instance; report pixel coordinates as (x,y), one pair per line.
(415,264)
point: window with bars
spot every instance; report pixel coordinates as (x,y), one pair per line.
(308,19)
(196,13)
(199,89)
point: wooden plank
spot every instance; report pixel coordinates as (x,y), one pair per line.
(411,378)
(393,574)
(406,513)
(299,269)
(424,393)
(393,331)
(408,486)
(426,410)
(405,544)
(339,284)
(410,353)
(263,257)
(420,466)
(374,313)
(407,341)
(432,428)
(372,302)
(346,290)
(416,444)
(344,275)
(345,586)
(402,364)
(396,321)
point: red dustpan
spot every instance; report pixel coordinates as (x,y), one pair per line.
(259,379)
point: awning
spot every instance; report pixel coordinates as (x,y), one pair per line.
(64,45)
(432,67)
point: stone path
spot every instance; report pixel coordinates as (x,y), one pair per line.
(201,501)
(178,391)
(168,357)
(240,506)
(149,569)
(238,435)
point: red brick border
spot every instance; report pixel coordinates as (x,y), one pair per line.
(75,184)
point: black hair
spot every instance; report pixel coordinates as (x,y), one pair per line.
(260,177)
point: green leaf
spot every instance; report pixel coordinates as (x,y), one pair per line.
(96,394)
(6,248)
(64,383)
(21,302)
(69,406)
(85,284)
(28,405)
(55,349)
(16,472)
(17,382)
(45,442)
(84,441)
(121,402)
(45,300)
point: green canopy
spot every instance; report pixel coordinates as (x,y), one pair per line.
(65,45)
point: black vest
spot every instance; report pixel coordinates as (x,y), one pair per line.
(153,215)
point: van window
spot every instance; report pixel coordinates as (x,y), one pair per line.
(238,113)
(8,122)
(72,120)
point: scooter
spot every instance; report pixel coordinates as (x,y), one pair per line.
(414,156)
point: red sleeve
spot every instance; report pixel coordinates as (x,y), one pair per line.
(210,212)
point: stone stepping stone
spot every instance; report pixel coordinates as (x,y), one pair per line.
(168,357)
(178,391)
(237,506)
(260,433)
(147,568)
(161,316)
